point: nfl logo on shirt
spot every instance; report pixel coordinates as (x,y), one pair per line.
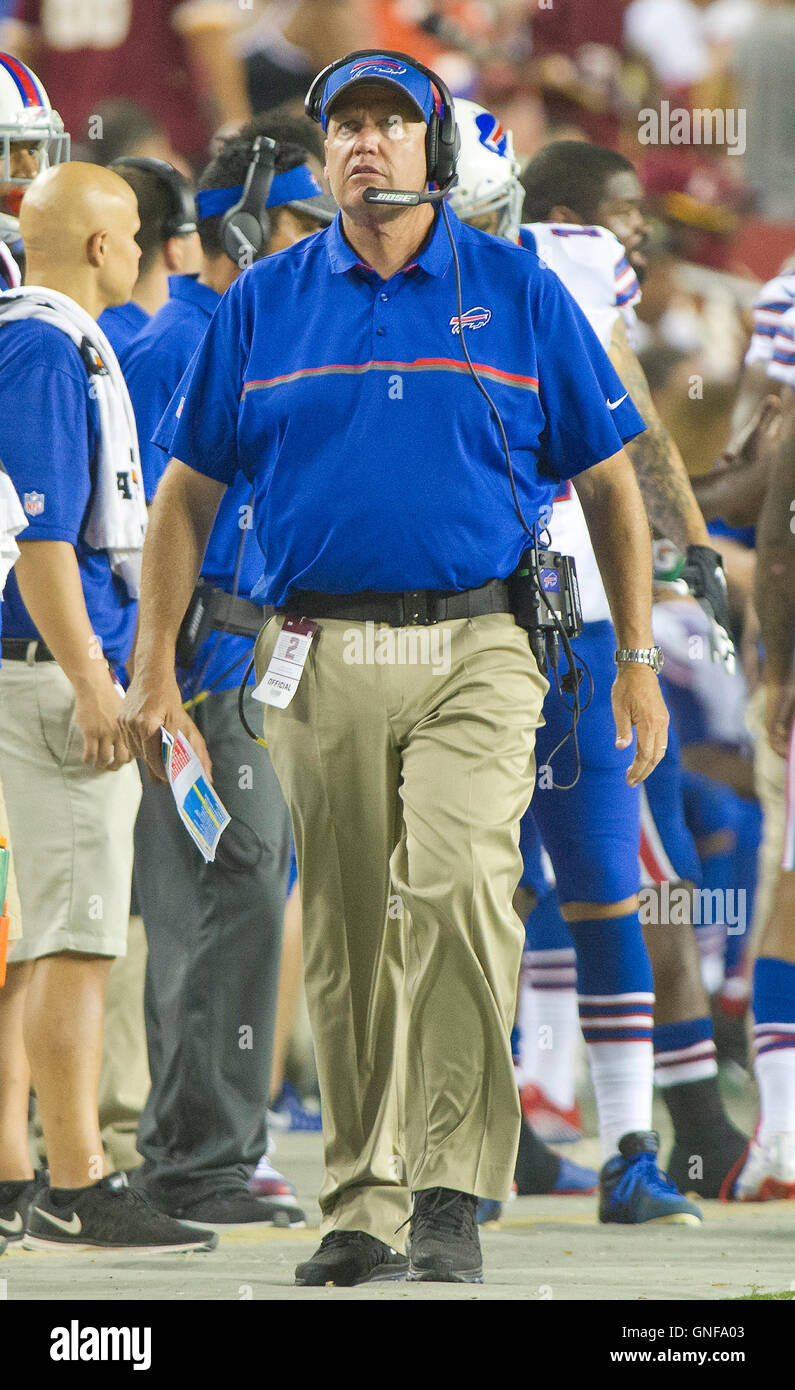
(33,502)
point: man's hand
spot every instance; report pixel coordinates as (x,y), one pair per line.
(97,707)
(638,703)
(779,715)
(150,703)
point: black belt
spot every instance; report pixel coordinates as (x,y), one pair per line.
(19,649)
(414,607)
(235,615)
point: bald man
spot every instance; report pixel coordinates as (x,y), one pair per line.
(67,438)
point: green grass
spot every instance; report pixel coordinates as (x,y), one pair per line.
(756,1296)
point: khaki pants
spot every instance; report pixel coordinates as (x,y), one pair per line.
(406,783)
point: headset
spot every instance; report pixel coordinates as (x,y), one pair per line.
(442,140)
(246,228)
(181,217)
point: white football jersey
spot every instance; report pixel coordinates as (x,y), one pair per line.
(774,300)
(593,265)
(781,365)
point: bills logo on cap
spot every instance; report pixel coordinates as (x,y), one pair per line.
(377,67)
(33,502)
(473,318)
(491,133)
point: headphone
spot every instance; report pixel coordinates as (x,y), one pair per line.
(180,220)
(442,140)
(246,228)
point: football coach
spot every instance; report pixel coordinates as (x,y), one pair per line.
(334,376)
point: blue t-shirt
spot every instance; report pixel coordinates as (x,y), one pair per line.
(121,323)
(49,432)
(153,365)
(347,403)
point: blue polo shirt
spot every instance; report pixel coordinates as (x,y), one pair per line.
(347,403)
(153,365)
(49,433)
(121,323)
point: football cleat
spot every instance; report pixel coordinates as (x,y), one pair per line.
(268,1182)
(633,1191)
(551,1122)
(768,1173)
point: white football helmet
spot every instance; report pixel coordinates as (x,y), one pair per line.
(488,172)
(27,119)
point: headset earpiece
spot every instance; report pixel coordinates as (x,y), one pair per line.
(181,219)
(246,227)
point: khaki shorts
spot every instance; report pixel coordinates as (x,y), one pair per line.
(71,826)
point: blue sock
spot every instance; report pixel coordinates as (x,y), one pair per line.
(684,1052)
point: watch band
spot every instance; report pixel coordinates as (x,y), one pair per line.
(644,656)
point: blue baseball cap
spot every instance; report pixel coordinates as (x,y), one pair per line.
(379,68)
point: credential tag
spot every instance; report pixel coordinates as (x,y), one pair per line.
(285,668)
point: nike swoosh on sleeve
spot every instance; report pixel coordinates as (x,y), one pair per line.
(613,405)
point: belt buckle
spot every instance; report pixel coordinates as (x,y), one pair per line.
(416,608)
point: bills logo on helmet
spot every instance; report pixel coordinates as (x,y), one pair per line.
(33,502)
(491,133)
(378,67)
(473,318)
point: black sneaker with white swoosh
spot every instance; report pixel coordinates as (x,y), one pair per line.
(15,1200)
(108,1215)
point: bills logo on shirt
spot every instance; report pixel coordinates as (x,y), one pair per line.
(377,67)
(473,318)
(33,502)
(491,133)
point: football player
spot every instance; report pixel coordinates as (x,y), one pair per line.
(32,137)
(593,829)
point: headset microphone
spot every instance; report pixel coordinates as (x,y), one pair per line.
(403,198)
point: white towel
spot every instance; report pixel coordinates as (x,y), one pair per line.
(12,521)
(117,516)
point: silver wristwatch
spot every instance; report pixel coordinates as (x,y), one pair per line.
(645,656)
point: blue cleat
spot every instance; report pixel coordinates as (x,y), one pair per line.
(289,1115)
(633,1191)
(488,1211)
(574,1181)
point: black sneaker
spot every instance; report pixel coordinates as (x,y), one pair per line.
(240,1207)
(351,1257)
(444,1246)
(15,1199)
(109,1216)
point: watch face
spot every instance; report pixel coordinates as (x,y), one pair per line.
(657,659)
